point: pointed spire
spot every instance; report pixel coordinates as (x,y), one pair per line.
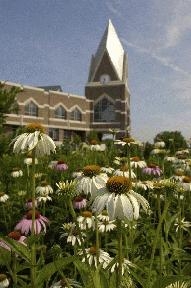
(110,42)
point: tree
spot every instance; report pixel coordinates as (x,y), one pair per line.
(173,140)
(8,102)
(8,105)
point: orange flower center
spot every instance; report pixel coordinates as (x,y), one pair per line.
(78,198)
(135,159)
(91,170)
(31,128)
(16,235)
(128,140)
(86,214)
(92,250)
(2,277)
(29,215)
(186,179)
(93,142)
(118,184)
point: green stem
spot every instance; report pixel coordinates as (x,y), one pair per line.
(33,247)
(14,268)
(120,253)
(179,232)
(129,160)
(97,239)
(166,206)
(72,212)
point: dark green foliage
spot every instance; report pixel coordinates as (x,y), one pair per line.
(7,102)
(174,140)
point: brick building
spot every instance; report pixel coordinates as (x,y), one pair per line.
(106,103)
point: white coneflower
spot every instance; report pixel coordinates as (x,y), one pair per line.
(136,162)
(182,153)
(28,161)
(67,188)
(157,151)
(186,183)
(86,220)
(16,173)
(171,159)
(107,170)
(106,226)
(159,144)
(124,171)
(44,198)
(103,257)
(98,147)
(103,216)
(34,138)
(119,200)
(127,141)
(65,283)
(184,225)
(4,282)
(77,174)
(3,197)
(91,180)
(126,264)
(72,234)
(44,189)
(179,284)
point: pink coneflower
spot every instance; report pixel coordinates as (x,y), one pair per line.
(25,225)
(61,166)
(152,169)
(79,202)
(16,235)
(28,204)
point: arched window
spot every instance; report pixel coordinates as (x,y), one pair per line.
(76,115)
(60,112)
(104,111)
(31,109)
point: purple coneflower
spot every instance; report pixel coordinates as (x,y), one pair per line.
(25,225)
(60,166)
(152,169)
(79,202)
(29,204)
(16,235)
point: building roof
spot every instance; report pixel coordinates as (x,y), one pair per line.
(111,44)
(52,88)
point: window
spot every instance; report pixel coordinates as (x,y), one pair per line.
(76,115)
(104,111)
(54,133)
(60,112)
(31,109)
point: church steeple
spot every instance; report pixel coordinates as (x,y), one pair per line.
(112,50)
(107,88)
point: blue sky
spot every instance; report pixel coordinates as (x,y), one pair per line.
(50,42)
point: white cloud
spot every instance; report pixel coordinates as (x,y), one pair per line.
(114,7)
(180,22)
(163,60)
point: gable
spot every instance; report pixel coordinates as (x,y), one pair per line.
(105,67)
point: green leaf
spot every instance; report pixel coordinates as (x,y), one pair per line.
(18,248)
(48,270)
(5,256)
(162,282)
